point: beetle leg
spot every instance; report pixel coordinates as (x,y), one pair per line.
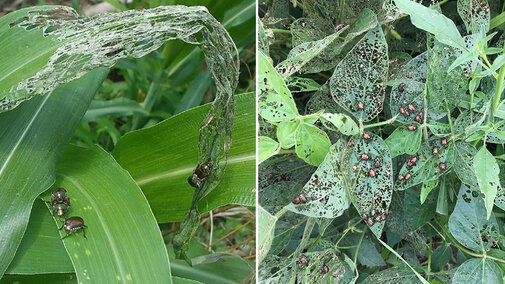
(66,236)
(61,226)
(84,232)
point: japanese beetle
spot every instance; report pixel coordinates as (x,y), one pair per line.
(411,107)
(371,173)
(339,27)
(72,225)
(303,199)
(361,105)
(443,141)
(364,156)
(370,222)
(434,150)
(402,110)
(303,260)
(200,174)
(441,166)
(377,164)
(417,119)
(296,200)
(407,176)
(325,269)
(399,177)
(414,159)
(365,216)
(60,209)
(366,136)
(373,212)
(401,87)
(378,218)
(411,128)
(59,195)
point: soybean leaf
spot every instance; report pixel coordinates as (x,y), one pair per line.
(432,21)
(312,144)
(478,270)
(33,138)
(429,166)
(440,257)
(469,223)
(286,133)
(475,14)
(275,269)
(409,89)
(266,230)
(340,122)
(403,141)
(464,155)
(370,191)
(275,102)
(394,275)
(361,76)
(267,147)
(263,44)
(161,158)
(326,190)
(116,243)
(367,253)
(300,84)
(487,171)
(338,268)
(427,187)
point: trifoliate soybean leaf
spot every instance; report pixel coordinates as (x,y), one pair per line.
(417,214)
(266,229)
(431,161)
(403,141)
(312,144)
(275,102)
(445,89)
(475,14)
(463,164)
(326,191)
(267,147)
(486,170)
(407,94)
(286,133)
(300,85)
(340,122)
(469,223)
(432,21)
(359,81)
(370,185)
(478,270)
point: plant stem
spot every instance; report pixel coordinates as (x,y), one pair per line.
(497,93)
(389,121)
(279,31)
(281,212)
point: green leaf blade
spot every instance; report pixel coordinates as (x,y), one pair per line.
(486,170)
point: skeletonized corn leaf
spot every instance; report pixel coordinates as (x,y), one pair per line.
(469,223)
(360,78)
(326,191)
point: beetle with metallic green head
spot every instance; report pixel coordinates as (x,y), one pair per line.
(72,225)
(200,174)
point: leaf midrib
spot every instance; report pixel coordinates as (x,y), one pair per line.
(141,181)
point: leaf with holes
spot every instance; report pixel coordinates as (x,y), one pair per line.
(475,15)
(469,223)
(370,180)
(463,163)
(445,89)
(407,93)
(327,266)
(312,144)
(275,269)
(478,270)
(403,141)
(487,172)
(358,83)
(432,161)
(340,122)
(300,85)
(275,102)
(326,191)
